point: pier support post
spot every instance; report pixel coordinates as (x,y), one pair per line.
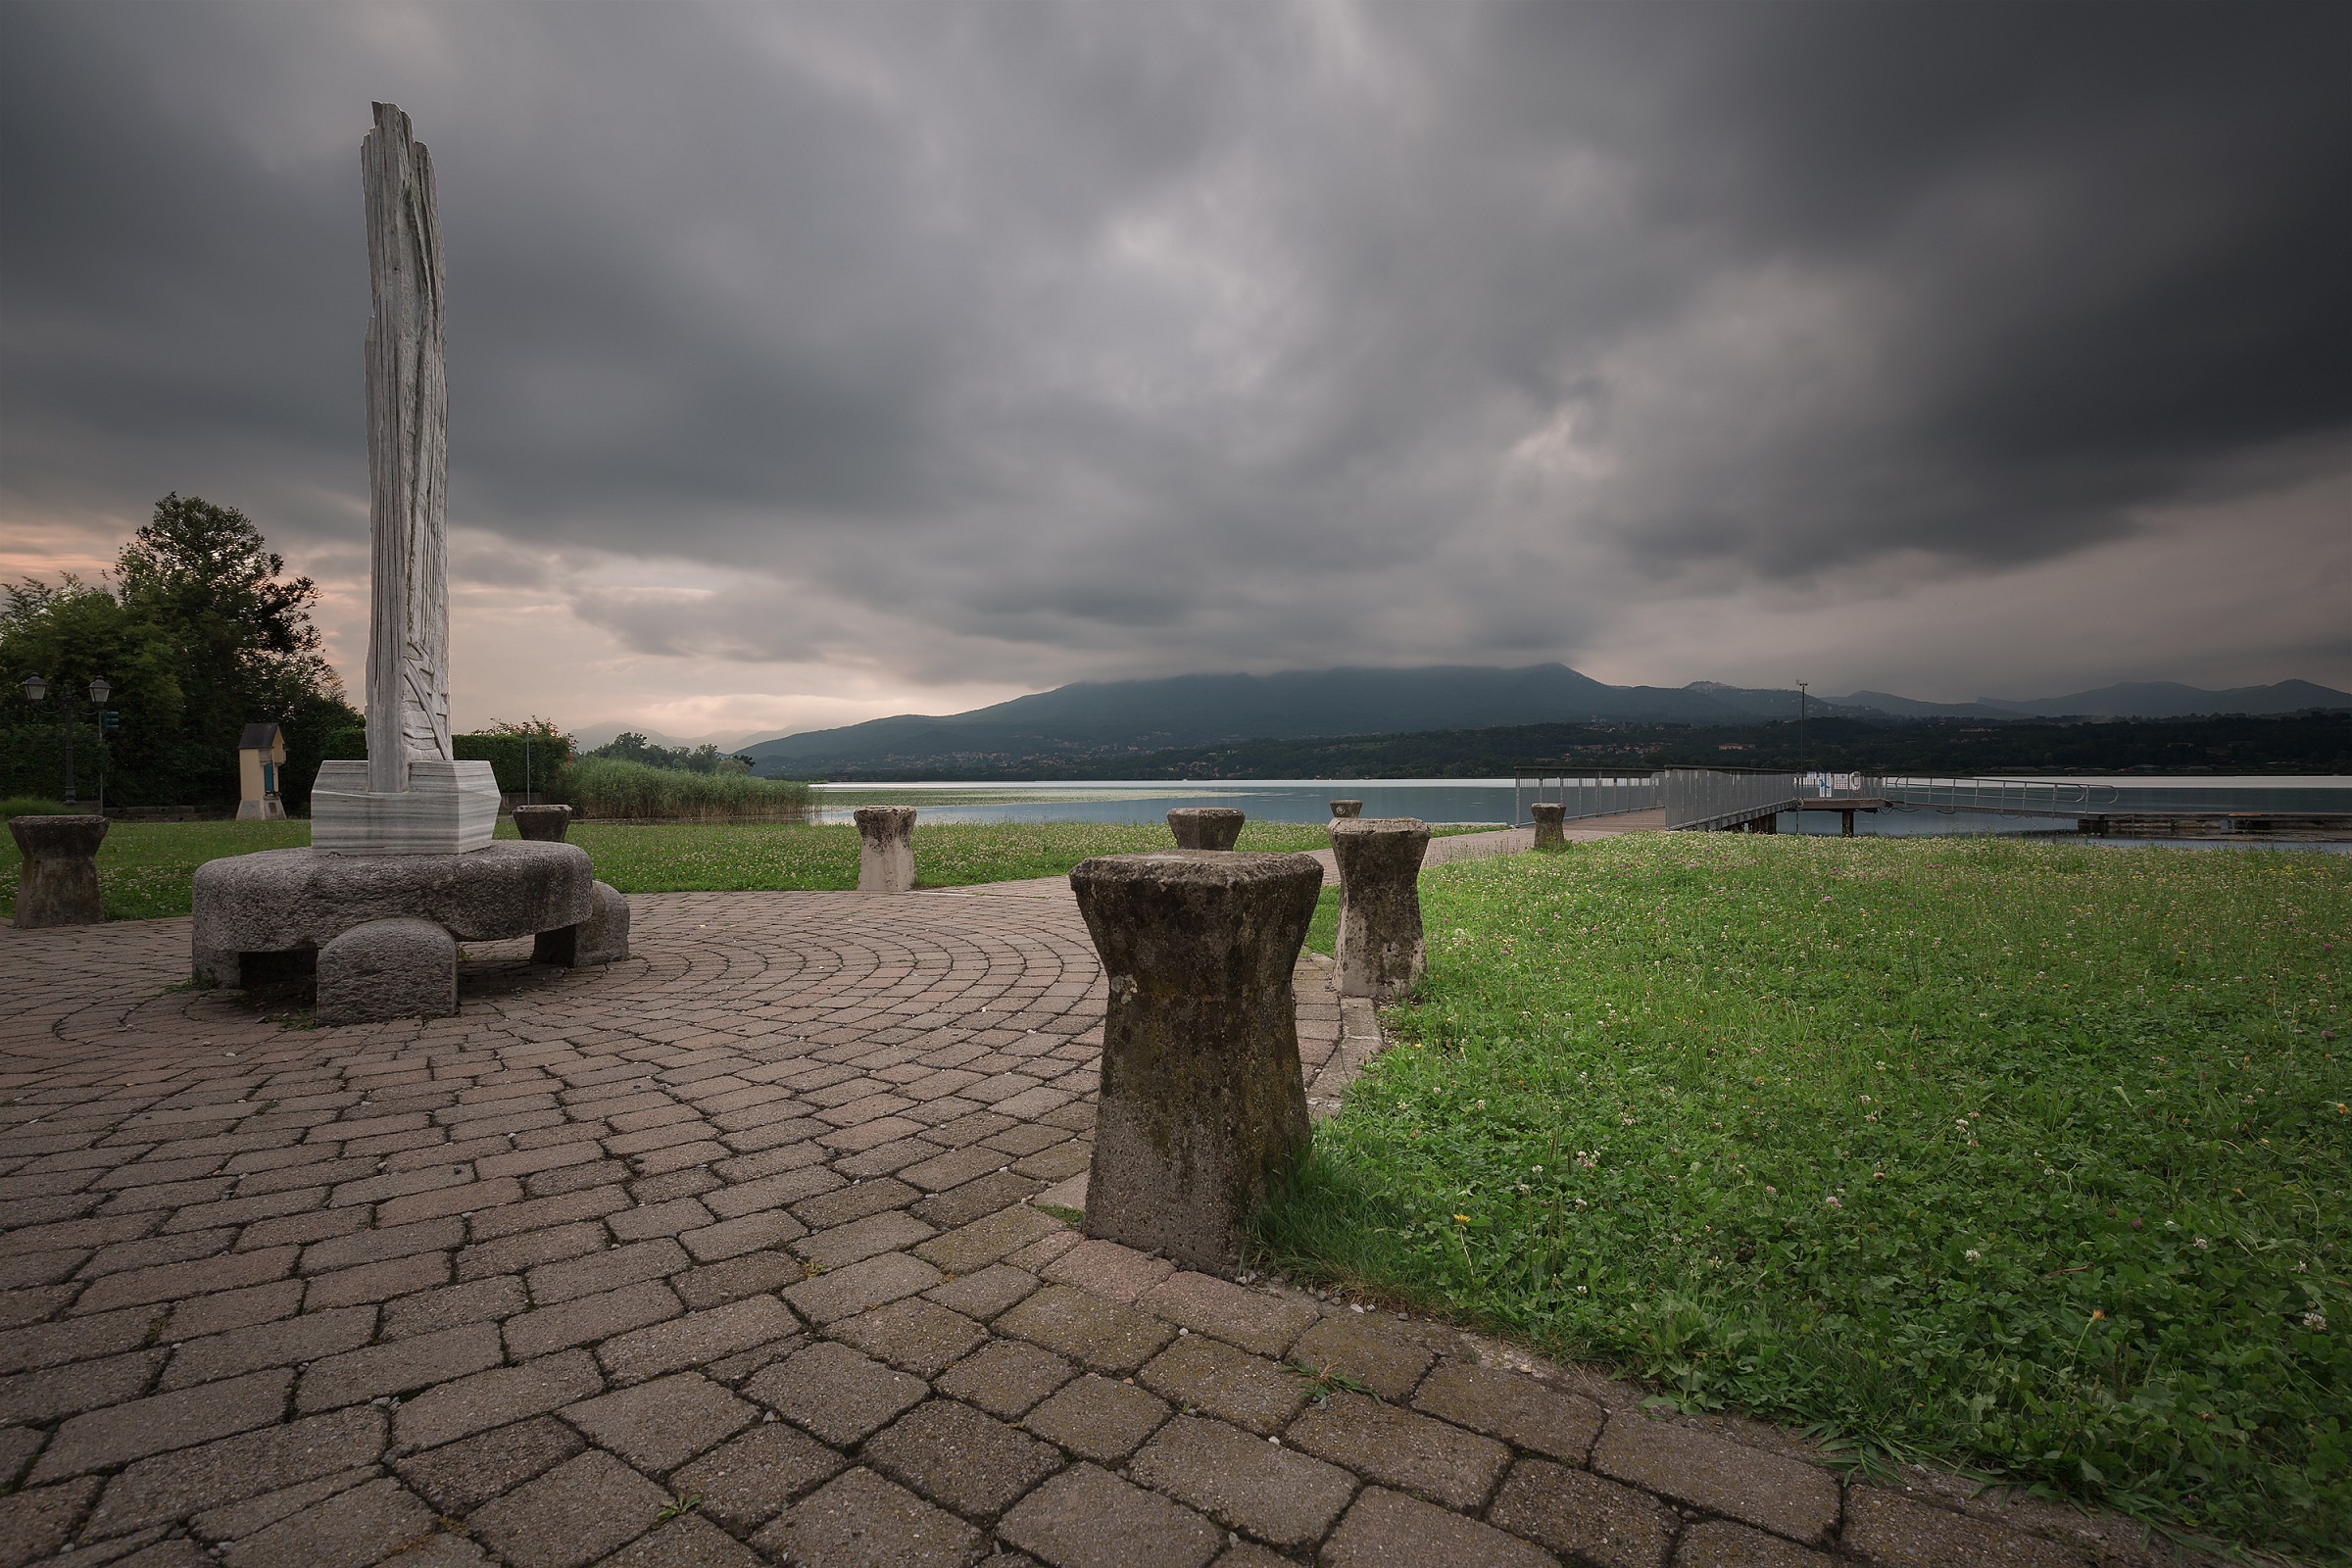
(886,849)
(1379,949)
(1204,1103)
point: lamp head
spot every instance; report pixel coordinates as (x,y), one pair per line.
(36,688)
(100,690)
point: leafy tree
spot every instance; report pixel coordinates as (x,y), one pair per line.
(200,633)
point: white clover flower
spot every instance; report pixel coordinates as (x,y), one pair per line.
(2201,1243)
(2317,1322)
(1833,1202)
(1972,1255)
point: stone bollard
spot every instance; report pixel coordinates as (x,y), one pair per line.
(1347,808)
(1204,1103)
(1378,948)
(886,854)
(58,883)
(545,822)
(388,969)
(601,938)
(1206,827)
(1549,816)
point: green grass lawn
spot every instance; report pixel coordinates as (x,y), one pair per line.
(2031,1158)
(144,868)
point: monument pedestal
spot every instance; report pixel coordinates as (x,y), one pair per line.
(364,921)
(448,809)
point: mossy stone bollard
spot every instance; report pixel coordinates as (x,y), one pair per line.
(1203,1105)
(1378,948)
(886,850)
(1347,808)
(1549,816)
(545,822)
(58,883)
(1206,827)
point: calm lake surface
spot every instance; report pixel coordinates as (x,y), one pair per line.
(1491,800)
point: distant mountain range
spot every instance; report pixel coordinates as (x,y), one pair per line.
(1106,718)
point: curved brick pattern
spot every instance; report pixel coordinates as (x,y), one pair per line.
(730,1254)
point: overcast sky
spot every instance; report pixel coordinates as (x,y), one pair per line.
(812,363)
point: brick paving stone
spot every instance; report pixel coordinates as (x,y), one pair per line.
(350,1530)
(512,1255)
(1784,1496)
(955,1169)
(1389,1530)
(52,1391)
(833,1392)
(1005,1377)
(734,1279)
(370,1283)
(1518,1409)
(658,1426)
(862,1239)
(76,1338)
(101,1439)
(1248,1554)
(960,1205)
(971,1247)
(1097,1419)
(586,1319)
(847,1291)
(1265,1325)
(264,1344)
(1243,1482)
(985,1294)
(746,1233)
(686,1541)
(1399,1448)
(171,1282)
(501,1295)
(234,1521)
(1108,1269)
(912,1335)
(1373,1352)
(34,1523)
(458,1477)
(1583,1518)
(1107,1336)
(189,1481)
(1898,1532)
(1720,1544)
(860,1520)
(493,1399)
(696,1338)
(1057,1161)
(606,1270)
(747,1481)
(398,1367)
(858,1201)
(960,1458)
(1208,1375)
(570,1516)
(1089,1518)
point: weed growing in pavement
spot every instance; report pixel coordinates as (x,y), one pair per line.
(2030,1157)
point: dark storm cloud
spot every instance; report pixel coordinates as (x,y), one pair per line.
(1036,342)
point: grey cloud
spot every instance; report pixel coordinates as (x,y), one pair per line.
(1034,342)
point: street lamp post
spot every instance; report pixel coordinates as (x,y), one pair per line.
(1804,753)
(37,687)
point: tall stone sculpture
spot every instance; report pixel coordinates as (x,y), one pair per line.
(401,867)
(411,796)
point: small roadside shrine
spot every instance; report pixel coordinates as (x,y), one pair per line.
(261,756)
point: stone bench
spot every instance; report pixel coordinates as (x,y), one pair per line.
(380,931)
(1203,1105)
(1206,827)
(58,882)
(884,848)
(1378,950)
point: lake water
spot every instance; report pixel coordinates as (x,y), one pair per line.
(1491,800)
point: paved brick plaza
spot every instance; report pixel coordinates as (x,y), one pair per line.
(746,1219)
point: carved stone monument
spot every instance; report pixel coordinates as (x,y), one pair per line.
(58,882)
(1549,815)
(1203,1103)
(411,796)
(401,866)
(1347,808)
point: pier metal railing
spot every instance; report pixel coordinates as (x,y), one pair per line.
(2003,796)
(1703,798)
(1582,795)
